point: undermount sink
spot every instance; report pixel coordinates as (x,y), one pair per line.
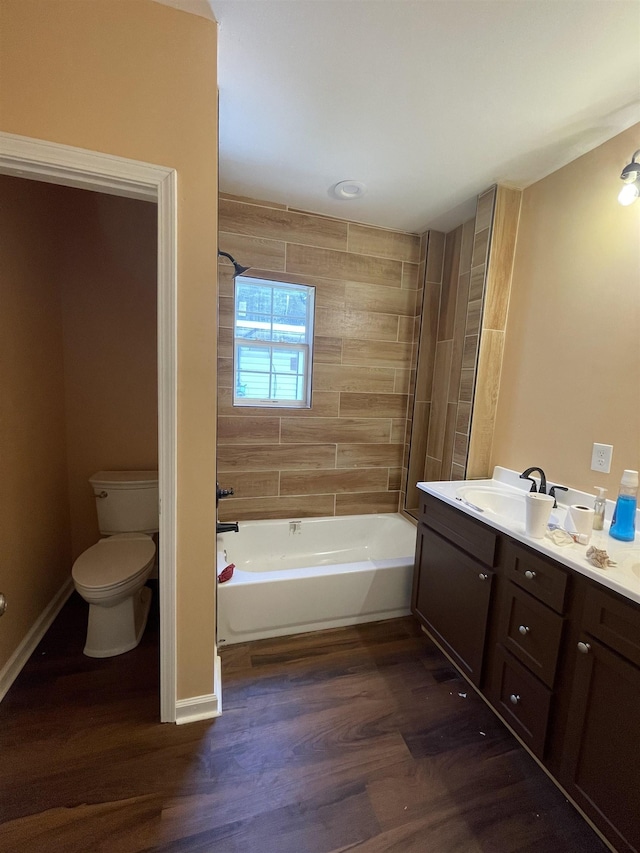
(497,502)
(627,561)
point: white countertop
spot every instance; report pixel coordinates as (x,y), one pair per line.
(624,578)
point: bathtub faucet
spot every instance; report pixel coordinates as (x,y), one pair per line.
(226,527)
(222,493)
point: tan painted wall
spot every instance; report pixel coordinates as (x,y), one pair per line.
(34,513)
(342,456)
(139,80)
(571,370)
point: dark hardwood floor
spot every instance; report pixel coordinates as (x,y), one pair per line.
(353,739)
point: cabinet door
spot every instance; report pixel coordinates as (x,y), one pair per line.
(602,746)
(451,596)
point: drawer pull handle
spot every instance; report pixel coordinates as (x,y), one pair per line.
(529,575)
(514,698)
(483,576)
(585,648)
(524,630)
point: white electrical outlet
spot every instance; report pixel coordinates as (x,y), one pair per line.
(601,458)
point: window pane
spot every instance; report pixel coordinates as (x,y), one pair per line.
(254,358)
(289,302)
(253,299)
(271,312)
(288,330)
(288,361)
(276,317)
(253,330)
(267,373)
(254,386)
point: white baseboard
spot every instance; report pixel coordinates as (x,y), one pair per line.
(202,707)
(11,670)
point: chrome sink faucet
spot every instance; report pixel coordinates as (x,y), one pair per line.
(526,475)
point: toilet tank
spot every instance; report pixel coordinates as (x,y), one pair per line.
(126,501)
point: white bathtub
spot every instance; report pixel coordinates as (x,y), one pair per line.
(296,576)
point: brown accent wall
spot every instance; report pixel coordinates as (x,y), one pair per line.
(34,511)
(78,306)
(571,370)
(344,455)
(106,252)
(102,76)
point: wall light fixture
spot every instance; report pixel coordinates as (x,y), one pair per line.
(631,177)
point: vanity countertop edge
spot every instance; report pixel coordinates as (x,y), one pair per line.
(620,578)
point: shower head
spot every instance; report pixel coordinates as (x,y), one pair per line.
(239,269)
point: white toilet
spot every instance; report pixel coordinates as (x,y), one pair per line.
(111,574)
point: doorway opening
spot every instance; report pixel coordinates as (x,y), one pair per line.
(73,167)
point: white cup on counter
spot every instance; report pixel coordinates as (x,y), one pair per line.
(537,513)
(579,519)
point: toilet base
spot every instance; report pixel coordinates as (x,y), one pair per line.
(115,630)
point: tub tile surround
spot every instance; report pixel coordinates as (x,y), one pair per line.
(498,270)
(620,578)
(461,318)
(346,454)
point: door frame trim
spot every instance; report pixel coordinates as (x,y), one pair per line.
(51,162)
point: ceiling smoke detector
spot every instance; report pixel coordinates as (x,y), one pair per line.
(346,190)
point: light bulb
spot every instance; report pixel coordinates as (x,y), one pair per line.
(629,193)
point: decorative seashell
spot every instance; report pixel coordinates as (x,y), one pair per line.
(599,558)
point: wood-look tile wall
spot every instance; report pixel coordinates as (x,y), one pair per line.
(345,454)
(426,335)
(460,329)
(449,325)
(473,292)
(504,205)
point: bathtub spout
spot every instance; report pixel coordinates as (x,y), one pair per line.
(226,527)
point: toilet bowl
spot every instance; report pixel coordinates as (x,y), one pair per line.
(111,574)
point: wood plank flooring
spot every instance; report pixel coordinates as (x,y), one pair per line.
(357,739)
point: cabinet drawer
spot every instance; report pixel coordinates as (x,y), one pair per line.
(614,622)
(472,536)
(523,701)
(532,632)
(542,579)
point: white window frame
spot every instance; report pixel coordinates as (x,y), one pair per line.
(306,346)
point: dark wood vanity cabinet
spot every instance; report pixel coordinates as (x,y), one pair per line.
(453,583)
(601,755)
(554,653)
(531,617)
(452,598)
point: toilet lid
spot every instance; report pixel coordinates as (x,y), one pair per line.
(114,560)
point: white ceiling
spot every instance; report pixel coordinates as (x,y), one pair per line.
(427,102)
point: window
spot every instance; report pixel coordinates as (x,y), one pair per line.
(273,339)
